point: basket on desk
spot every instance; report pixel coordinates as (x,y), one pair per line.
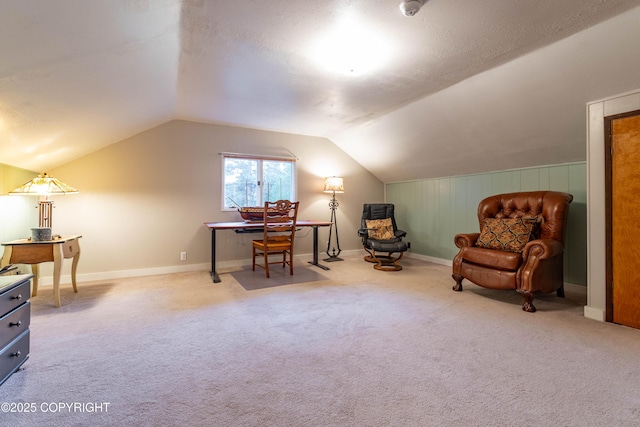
(256,213)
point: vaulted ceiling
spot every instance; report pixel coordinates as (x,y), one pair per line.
(78,75)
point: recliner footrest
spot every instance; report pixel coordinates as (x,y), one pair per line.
(381,246)
(386,262)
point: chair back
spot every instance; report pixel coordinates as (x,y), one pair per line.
(549,208)
(280,217)
(378,211)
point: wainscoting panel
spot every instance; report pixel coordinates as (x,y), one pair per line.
(433,211)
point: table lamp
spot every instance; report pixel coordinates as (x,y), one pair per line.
(44,186)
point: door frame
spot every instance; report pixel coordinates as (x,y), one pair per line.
(608,178)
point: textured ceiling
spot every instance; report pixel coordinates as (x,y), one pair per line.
(78,75)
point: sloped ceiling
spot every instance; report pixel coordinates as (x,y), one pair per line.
(78,75)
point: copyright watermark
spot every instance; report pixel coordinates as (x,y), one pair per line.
(55,407)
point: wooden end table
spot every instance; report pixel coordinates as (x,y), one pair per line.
(27,251)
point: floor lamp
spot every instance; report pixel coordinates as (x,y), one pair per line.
(333,185)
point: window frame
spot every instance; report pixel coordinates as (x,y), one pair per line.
(260,159)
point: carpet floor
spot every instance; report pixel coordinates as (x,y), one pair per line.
(352,347)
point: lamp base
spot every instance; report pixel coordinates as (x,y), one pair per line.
(332,259)
(41,234)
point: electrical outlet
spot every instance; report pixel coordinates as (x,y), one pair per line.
(183,256)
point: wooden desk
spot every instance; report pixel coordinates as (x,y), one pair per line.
(26,251)
(242,226)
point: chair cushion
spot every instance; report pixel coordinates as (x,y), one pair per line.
(501,260)
(380,229)
(506,234)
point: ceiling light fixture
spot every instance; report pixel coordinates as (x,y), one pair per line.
(351,47)
(411,7)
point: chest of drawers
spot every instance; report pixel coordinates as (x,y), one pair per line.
(15,316)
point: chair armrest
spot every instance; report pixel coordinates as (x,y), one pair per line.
(364,232)
(541,269)
(542,249)
(400,233)
(466,240)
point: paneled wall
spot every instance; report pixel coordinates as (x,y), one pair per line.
(433,211)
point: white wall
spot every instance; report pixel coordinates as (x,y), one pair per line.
(144,200)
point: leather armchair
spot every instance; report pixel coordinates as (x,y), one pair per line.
(538,268)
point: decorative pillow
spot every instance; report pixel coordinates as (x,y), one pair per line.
(510,234)
(380,229)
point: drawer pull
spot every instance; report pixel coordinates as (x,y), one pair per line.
(18,323)
(16,354)
(18,297)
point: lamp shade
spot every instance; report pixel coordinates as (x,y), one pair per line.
(44,185)
(333,184)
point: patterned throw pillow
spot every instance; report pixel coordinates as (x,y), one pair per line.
(511,234)
(380,229)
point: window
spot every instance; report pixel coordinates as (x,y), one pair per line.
(252,180)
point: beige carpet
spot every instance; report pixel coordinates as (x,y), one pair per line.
(360,348)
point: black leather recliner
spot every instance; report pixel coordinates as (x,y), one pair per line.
(381,238)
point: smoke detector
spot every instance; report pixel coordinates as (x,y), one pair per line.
(411,7)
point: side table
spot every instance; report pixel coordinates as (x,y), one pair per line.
(26,251)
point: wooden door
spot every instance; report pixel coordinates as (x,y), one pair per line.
(625,220)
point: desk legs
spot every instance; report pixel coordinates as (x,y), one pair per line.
(214,273)
(315,250)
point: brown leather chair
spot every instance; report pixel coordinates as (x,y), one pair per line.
(503,256)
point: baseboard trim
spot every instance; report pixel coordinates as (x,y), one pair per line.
(575,289)
(121,274)
(222,267)
(427,258)
(595,314)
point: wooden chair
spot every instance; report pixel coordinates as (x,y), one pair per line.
(278,234)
